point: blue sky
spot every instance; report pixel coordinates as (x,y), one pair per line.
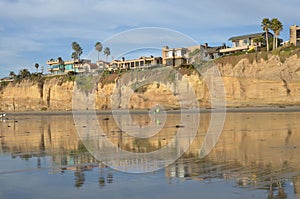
(33,31)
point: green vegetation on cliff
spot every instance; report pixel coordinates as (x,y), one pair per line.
(283,53)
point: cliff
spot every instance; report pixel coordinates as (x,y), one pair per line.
(248,81)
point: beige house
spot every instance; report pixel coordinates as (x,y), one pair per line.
(102,64)
(246,42)
(295,35)
(142,62)
(178,56)
(174,56)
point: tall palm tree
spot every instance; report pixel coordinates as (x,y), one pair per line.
(37,67)
(98,48)
(265,24)
(77,50)
(276,27)
(106,52)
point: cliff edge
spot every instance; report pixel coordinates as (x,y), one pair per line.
(249,80)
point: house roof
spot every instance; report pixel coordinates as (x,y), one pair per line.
(255,35)
(210,49)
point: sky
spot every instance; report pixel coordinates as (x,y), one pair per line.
(34,31)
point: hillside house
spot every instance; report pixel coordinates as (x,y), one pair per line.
(295,35)
(246,42)
(142,62)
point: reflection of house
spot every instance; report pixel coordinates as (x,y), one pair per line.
(136,63)
(295,35)
(246,42)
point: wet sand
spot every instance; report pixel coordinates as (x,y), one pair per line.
(135,111)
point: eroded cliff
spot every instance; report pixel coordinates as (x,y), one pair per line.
(247,82)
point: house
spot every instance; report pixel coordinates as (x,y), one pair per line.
(174,56)
(56,67)
(178,56)
(295,35)
(212,52)
(59,67)
(82,66)
(102,64)
(6,79)
(142,62)
(246,42)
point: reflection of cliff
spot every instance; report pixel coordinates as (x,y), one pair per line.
(249,138)
(259,150)
(38,133)
(246,84)
(256,149)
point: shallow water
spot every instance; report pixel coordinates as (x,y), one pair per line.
(256,156)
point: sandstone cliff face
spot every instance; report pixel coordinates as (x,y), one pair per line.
(259,83)
(52,94)
(262,83)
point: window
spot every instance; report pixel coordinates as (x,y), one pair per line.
(178,53)
(246,41)
(235,44)
(298,33)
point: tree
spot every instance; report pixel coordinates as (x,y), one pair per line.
(36,65)
(12,74)
(106,52)
(276,26)
(77,51)
(61,63)
(98,48)
(74,56)
(265,24)
(258,40)
(24,73)
(60,60)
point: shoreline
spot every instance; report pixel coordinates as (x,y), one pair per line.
(258,109)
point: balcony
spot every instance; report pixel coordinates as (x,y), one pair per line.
(52,62)
(234,49)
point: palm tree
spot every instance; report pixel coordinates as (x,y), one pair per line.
(74,56)
(106,52)
(77,50)
(265,24)
(276,27)
(98,47)
(36,65)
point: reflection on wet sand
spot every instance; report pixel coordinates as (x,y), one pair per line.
(257,150)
